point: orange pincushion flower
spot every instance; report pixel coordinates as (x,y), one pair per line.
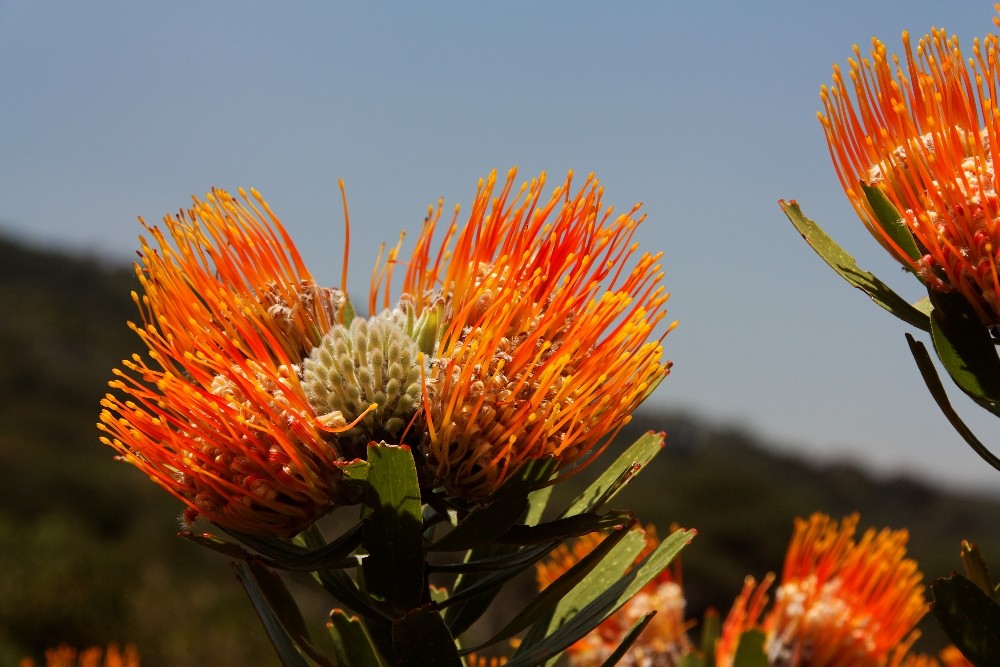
(927,135)
(745,614)
(216,414)
(67,656)
(841,602)
(545,345)
(663,641)
(845,602)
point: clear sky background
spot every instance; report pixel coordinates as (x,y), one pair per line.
(704,111)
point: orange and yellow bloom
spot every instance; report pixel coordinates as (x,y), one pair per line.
(529,333)
(926,131)
(96,656)
(216,414)
(841,601)
(546,343)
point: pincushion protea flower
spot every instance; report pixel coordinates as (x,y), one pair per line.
(841,602)
(664,641)
(547,319)
(527,337)
(216,414)
(927,135)
(96,656)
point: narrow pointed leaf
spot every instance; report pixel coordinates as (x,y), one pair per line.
(352,644)
(472,595)
(848,269)
(217,544)
(608,574)
(475,584)
(421,638)
(750,650)
(964,346)
(537,502)
(296,557)
(711,630)
(510,502)
(970,618)
(610,588)
(354,471)
(891,221)
(502,559)
(547,599)
(560,529)
(937,391)
(340,585)
(393,531)
(602,489)
(976,570)
(278,612)
(629,639)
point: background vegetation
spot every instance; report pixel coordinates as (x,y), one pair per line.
(88,551)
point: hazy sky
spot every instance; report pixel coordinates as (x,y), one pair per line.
(704,111)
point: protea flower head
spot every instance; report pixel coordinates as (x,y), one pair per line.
(925,132)
(547,341)
(840,601)
(528,335)
(216,413)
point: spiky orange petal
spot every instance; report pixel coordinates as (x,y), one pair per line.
(844,602)
(215,413)
(548,317)
(926,132)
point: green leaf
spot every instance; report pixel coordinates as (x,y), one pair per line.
(217,544)
(537,502)
(510,503)
(572,526)
(891,221)
(940,397)
(695,660)
(969,617)
(340,585)
(278,612)
(355,471)
(976,570)
(420,638)
(353,645)
(499,558)
(284,555)
(629,639)
(547,599)
(964,346)
(848,269)
(924,305)
(393,531)
(711,630)
(604,590)
(479,582)
(476,588)
(614,477)
(750,650)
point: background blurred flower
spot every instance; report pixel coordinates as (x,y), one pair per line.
(926,135)
(216,414)
(840,602)
(545,344)
(67,656)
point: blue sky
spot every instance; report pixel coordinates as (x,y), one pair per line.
(704,111)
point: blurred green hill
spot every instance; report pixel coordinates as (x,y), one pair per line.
(88,547)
